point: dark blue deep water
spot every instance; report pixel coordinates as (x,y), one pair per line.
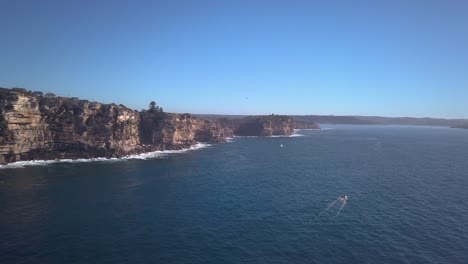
(250,201)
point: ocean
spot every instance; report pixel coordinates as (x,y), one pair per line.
(250,200)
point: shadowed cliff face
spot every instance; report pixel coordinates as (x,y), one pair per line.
(176,131)
(33,126)
(305,125)
(464,125)
(264,126)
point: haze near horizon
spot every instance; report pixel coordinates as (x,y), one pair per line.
(385,58)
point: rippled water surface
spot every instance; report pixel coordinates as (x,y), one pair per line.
(252,200)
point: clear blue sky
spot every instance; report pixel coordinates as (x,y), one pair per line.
(389,58)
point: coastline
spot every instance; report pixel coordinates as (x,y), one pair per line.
(38,129)
(141,156)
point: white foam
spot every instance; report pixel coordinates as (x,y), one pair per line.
(164,153)
(142,156)
(22,164)
(293,135)
(272,136)
(296,135)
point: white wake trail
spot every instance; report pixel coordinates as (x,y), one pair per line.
(342,200)
(341,208)
(329,206)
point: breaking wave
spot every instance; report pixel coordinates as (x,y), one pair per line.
(272,136)
(27,163)
(318,129)
(142,156)
(296,135)
(163,153)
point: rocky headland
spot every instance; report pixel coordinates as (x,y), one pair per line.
(260,126)
(34,126)
(464,126)
(305,125)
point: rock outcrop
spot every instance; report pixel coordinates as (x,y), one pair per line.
(39,127)
(264,126)
(305,125)
(35,126)
(177,131)
(463,125)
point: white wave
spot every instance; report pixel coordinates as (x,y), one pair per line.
(296,135)
(287,136)
(163,153)
(142,156)
(22,164)
(272,136)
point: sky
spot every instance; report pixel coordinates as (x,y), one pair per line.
(386,58)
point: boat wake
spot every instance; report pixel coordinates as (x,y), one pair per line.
(340,201)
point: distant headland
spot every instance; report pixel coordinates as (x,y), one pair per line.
(362,120)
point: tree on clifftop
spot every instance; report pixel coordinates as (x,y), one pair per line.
(153,108)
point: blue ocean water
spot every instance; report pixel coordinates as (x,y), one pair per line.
(252,200)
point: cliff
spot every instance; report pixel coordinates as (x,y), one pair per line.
(177,131)
(38,127)
(320,119)
(464,126)
(263,126)
(236,119)
(34,126)
(305,125)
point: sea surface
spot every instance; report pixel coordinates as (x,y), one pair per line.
(251,200)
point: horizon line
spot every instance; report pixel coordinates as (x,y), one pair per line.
(182,112)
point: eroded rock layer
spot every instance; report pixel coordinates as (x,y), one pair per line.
(34,126)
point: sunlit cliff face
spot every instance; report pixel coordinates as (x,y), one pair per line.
(39,127)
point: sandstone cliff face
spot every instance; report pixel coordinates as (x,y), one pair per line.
(33,126)
(51,128)
(461,125)
(264,126)
(176,131)
(305,125)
